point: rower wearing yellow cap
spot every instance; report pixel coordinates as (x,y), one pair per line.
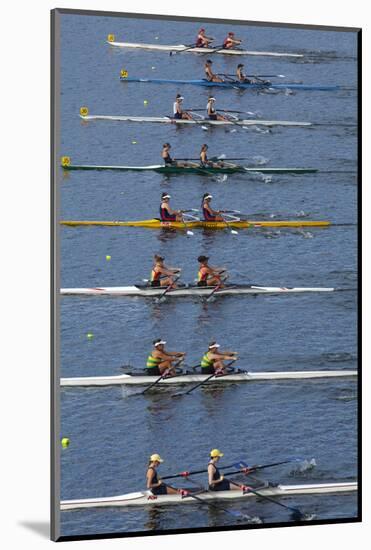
(217,482)
(213,360)
(154,482)
(160,360)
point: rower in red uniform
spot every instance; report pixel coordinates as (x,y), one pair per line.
(210,215)
(208,275)
(161,275)
(230,42)
(216,480)
(154,482)
(210,76)
(202,40)
(167,214)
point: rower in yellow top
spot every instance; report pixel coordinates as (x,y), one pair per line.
(210,76)
(211,110)
(154,482)
(217,481)
(213,360)
(202,40)
(161,275)
(178,112)
(210,276)
(167,214)
(160,361)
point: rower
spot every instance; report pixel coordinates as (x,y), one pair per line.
(160,361)
(205,162)
(230,42)
(216,480)
(210,215)
(213,360)
(202,40)
(165,154)
(161,275)
(208,275)
(210,76)
(178,110)
(154,482)
(211,110)
(167,214)
(241,77)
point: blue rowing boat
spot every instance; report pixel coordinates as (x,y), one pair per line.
(235,84)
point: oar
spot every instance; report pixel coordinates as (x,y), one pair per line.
(258,76)
(161,377)
(214,289)
(179,394)
(189,47)
(204,471)
(169,287)
(233,231)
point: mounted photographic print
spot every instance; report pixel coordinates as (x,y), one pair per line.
(205,199)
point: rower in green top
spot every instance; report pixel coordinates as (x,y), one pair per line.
(212,361)
(160,361)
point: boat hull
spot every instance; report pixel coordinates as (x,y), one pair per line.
(234,85)
(176,121)
(150,292)
(145,498)
(127,379)
(194,170)
(157,224)
(182,47)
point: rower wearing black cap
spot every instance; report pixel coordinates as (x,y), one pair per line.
(230,42)
(210,215)
(178,112)
(210,76)
(211,110)
(241,77)
(208,275)
(167,214)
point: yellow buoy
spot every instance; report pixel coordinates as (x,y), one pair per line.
(90,335)
(124,73)
(108,258)
(111,38)
(145,102)
(65,161)
(84,111)
(65,442)
(133,142)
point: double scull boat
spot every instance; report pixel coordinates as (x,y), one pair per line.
(182,47)
(194,168)
(188,290)
(146,498)
(140,378)
(156,223)
(235,84)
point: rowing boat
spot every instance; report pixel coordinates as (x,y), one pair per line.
(181,47)
(235,84)
(170,120)
(191,290)
(156,223)
(146,498)
(140,378)
(194,169)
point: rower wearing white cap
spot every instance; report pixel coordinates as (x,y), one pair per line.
(213,360)
(178,112)
(211,110)
(167,214)
(216,480)
(208,275)
(154,482)
(210,215)
(210,76)
(160,360)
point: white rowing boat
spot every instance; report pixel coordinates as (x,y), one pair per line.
(183,291)
(203,121)
(141,378)
(145,498)
(182,47)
